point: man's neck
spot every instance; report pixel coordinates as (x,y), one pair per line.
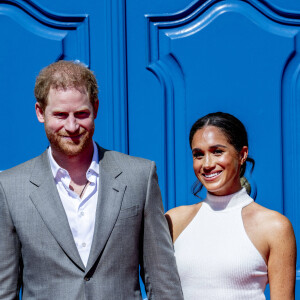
(76,165)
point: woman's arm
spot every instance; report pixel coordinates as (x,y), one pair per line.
(282,258)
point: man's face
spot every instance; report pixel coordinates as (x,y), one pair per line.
(69,121)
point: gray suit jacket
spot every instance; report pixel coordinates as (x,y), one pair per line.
(37,248)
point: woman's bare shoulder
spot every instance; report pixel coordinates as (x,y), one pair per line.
(180,217)
(269,221)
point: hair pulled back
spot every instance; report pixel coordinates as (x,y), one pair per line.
(233,129)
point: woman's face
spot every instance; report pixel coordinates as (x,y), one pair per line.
(216,162)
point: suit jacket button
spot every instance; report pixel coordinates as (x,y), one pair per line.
(87,278)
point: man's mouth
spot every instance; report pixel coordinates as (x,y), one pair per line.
(72,136)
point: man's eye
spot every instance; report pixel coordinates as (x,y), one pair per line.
(82,114)
(60,115)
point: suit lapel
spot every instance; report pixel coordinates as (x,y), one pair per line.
(47,202)
(110,198)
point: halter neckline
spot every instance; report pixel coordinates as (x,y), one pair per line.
(228,202)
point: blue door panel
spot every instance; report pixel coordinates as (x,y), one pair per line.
(236,63)
(36,33)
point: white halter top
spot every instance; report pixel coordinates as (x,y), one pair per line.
(215,257)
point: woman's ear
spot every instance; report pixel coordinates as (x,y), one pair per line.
(243,155)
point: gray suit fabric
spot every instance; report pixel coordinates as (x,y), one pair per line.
(37,248)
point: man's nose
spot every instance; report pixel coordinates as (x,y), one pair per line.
(71,124)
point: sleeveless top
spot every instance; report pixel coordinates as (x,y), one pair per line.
(215,257)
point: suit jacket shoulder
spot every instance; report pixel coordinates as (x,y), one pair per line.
(113,160)
(35,168)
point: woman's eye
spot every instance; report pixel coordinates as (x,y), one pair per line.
(218,151)
(197,154)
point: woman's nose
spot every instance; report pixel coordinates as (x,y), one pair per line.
(208,162)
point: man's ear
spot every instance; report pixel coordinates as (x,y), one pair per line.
(243,154)
(95,107)
(39,112)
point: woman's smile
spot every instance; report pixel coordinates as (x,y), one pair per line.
(211,176)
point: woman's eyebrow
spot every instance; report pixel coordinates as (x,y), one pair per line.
(218,146)
(211,147)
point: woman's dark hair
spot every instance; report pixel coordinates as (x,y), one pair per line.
(233,129)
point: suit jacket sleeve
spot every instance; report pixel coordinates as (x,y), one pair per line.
(158,266)
(9,253)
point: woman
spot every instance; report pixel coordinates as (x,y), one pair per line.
(227,246)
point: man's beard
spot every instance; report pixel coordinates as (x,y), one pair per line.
(68,146)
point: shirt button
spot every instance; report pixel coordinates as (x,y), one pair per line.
(87,278)
(83,244)
(82,213)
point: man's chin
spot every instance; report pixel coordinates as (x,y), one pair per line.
(72,150)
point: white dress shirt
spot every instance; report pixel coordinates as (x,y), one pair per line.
(80,212)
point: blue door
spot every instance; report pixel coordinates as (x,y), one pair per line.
(161,65)
(36,33)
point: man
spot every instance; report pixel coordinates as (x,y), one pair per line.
(77,221)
